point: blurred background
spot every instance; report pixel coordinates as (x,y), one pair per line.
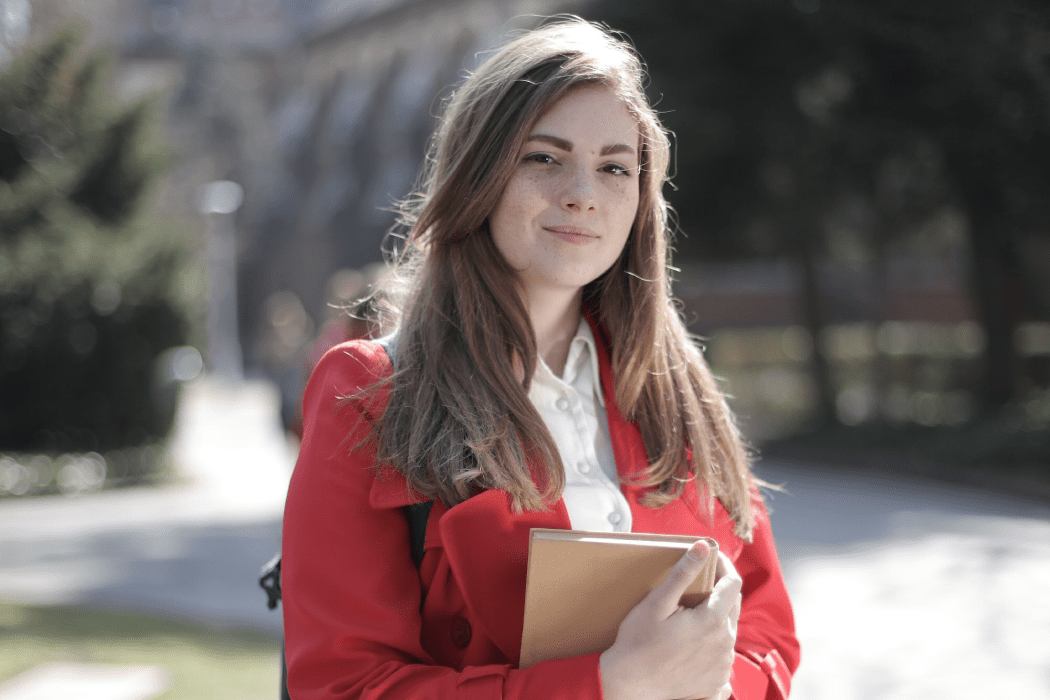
(193,191)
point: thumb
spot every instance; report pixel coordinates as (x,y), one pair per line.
(664,598)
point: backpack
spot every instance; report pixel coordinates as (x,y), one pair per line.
(416,513)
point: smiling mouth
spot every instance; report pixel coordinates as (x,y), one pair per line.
(572,234)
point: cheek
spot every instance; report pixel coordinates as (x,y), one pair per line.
(627,208)
(520,203)
(514,203)
(502,236)
(506,229)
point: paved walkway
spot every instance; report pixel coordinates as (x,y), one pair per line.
(193,548)
(903,588)
(910,589)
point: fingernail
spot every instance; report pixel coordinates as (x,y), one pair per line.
(700,549)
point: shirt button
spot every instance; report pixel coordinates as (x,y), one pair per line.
(583,467)
(614,517)
(461,633)
(562,404)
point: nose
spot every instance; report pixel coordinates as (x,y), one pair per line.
(579,193)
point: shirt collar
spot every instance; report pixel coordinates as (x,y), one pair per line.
(583,356)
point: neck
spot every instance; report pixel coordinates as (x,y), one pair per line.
(555,317)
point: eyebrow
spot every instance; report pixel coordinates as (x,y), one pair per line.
(566,146)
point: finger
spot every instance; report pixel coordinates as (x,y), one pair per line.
(724,693)
(734,610)
(725,566)
(726,592)
(664,598)
(734,616)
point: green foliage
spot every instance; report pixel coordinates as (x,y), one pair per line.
(75,378)
(66,159)
(783,108)
(799,121)
(117,176)
(89,282)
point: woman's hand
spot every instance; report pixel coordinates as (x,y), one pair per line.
(724,694)
(665,651)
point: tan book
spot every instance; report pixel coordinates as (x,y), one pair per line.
(582,584)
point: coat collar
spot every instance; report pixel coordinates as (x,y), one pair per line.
(628,446)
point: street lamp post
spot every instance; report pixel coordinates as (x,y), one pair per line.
(218,203)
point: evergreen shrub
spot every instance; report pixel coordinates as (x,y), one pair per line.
(90,280)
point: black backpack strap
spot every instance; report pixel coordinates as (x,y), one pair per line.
(270,580)
(389,343)
(418,514)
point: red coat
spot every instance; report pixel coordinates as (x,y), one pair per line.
(352,620)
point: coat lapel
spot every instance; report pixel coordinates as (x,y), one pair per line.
(628,446)
(487,546)
(687,515)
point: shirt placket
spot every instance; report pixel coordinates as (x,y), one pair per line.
(612,501)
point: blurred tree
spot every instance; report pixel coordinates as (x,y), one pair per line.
(789,111)
(88,281)
(972,79)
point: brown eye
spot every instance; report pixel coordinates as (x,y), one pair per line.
(542,158)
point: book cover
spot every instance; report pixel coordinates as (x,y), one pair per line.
(581,585)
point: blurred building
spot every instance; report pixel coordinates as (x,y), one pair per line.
(321,109)
(350,125)
(14,26)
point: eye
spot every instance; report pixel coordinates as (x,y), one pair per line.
(541,158)
(616,169)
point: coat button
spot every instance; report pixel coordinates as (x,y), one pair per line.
(460,633)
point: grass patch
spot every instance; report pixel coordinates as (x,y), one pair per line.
(204,662)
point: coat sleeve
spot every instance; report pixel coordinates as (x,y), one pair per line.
(351,593)
(767,650)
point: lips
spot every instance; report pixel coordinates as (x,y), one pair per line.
(572,234)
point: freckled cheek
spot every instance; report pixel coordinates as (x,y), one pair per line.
(625,210)
(543,193)
(528,195)
(624,193)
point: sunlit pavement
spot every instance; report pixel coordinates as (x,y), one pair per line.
(910,589)
(902,588)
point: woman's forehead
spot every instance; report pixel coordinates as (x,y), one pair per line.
(591,114)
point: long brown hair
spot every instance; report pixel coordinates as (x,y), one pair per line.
(459,418)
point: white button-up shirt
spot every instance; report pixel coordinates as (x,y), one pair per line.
(573,408)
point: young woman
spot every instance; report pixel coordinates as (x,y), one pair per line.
(540,378)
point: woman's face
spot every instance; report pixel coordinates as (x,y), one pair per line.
(566,213)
